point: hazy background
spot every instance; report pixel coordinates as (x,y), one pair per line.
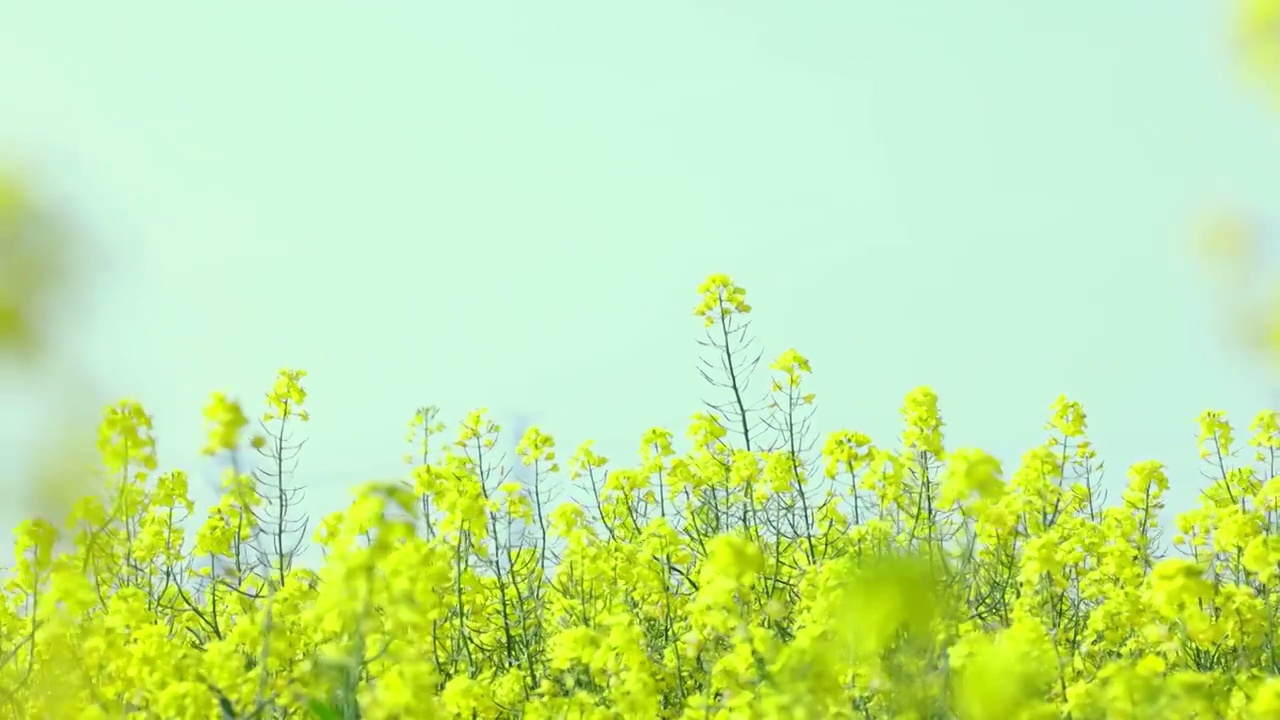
(511,205)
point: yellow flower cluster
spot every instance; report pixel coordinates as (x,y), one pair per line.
(1258,28)
(862,580)
(31,264)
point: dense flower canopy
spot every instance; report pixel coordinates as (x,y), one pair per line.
(752,574)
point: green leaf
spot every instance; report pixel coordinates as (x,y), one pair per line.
(322,710)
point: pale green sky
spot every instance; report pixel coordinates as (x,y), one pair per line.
(510,204)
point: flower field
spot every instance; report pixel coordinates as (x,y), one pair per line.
(759,573)
(746,568)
